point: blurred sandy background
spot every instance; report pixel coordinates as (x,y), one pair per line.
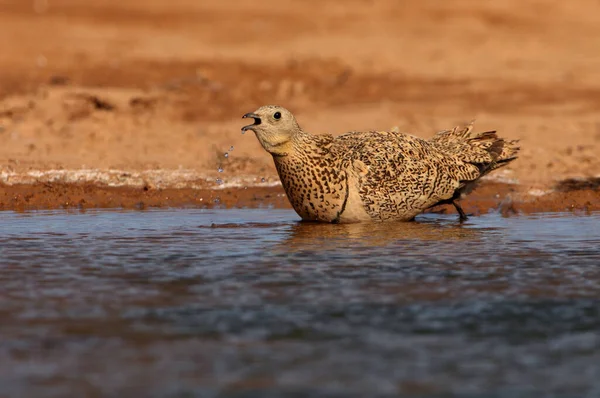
(154,89)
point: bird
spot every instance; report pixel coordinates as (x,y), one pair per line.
(375,176)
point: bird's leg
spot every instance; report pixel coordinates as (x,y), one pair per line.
(461,214)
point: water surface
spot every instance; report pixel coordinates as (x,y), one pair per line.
(182,303)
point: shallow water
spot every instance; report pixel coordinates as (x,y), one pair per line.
(186,303)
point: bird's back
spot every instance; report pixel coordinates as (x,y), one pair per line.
(398,175)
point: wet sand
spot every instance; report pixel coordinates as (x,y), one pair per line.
(573,196)
(135,104)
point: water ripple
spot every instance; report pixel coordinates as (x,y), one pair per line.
(252,302)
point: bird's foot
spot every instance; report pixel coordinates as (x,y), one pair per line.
(462,216)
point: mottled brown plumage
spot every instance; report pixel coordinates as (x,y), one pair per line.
(375,176)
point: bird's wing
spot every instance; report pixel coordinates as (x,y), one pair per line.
(401,172)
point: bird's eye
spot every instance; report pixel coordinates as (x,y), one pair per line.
(277,115)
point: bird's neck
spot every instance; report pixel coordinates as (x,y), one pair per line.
(280,149)
(301,145)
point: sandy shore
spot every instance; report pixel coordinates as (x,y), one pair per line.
(135,104)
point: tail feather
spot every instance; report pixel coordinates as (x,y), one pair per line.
(476,155)
(484,150)
(454,135)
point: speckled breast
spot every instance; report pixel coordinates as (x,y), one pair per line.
(317,191)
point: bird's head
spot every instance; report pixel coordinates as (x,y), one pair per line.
(274,127)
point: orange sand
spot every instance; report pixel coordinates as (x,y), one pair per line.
(127,95)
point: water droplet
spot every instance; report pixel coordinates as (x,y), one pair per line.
(263,179)
(243,132)
(220,169)
(231,148)
(219,181)
(226,154)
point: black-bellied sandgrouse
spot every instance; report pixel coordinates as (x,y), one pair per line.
(376,175)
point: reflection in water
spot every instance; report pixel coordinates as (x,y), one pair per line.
(203,303)
(305,234)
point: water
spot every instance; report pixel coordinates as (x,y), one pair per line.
(240,303)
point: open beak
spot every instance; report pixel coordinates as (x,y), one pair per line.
(256,118)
